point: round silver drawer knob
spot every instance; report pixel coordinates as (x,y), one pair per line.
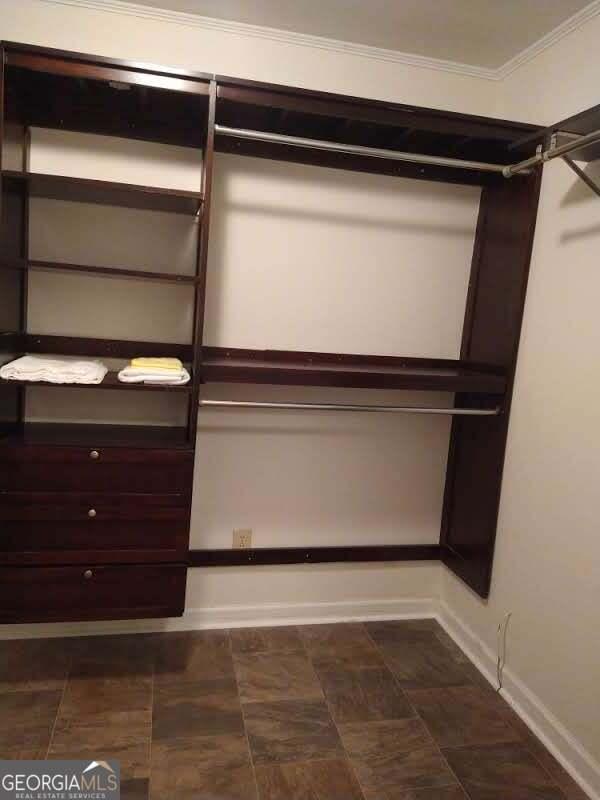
(92,513)
(88,574)
(94,454)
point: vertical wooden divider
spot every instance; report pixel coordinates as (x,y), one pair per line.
(201,264)
(491,332)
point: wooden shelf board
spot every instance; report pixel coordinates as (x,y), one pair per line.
(110,381)
(325,369)
(77,434)
(129,195)
(88,347)
(109,272)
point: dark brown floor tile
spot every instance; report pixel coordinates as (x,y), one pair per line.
(203,708)
(347,644)
(291,730)
(33,665)
(135,789)
(312,780)
(402,630)
(363,694)
(451,646)
(439,793)
(112,656)
(262,640)
(121,735)
(204,768)
(26,722)
(192,656)
(263,677)
(389,757)
(498,772)
(461,715)
(93,695)
(423,664)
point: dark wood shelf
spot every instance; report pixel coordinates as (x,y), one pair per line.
(86,190)
(350,371)
(77,434)
(110,272)
(87,347)
(72,91)
(110,381)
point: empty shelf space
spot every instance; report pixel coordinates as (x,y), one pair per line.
(86,190)
(349,371)
(111,381)
(109,272)
(78,434)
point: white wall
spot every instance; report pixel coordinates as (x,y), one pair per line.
(547,564)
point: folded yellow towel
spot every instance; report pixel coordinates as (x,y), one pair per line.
(157,363)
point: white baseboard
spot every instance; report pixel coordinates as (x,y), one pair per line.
(582,767)
(238,616)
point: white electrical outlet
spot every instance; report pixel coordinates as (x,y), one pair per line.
(242,538)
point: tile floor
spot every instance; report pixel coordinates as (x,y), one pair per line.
(374,711)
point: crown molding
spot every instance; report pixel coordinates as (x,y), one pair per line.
(276,35)
(123,7)
(548,40)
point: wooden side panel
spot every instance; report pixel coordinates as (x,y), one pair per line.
(13,206)
(491,333)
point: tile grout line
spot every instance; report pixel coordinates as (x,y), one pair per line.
(237,686)
(333,719)
(60,702)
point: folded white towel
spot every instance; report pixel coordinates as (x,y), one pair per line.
(163,377)
(54,370)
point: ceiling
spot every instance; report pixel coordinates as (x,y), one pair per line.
(482,33)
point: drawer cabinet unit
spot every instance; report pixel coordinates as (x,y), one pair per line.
(63,528)
(95,469)
(33,594)
(93,532)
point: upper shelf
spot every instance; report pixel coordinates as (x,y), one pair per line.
(356,121)
(53,89)
(86,190)
(325,369)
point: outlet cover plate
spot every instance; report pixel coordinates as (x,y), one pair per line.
(242,538)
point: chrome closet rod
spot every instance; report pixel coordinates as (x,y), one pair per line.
(472,412)
(553,152)
(355,149)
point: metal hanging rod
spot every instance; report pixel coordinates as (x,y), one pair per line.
(355,149)
(471,412)
(550,153)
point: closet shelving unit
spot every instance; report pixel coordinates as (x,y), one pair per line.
(130,558)
(94,517)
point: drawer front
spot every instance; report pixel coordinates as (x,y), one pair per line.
(106,469)
(46,528)
(64,594)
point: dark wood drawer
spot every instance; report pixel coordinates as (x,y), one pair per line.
(61,594)
(57,528)
(102,469)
